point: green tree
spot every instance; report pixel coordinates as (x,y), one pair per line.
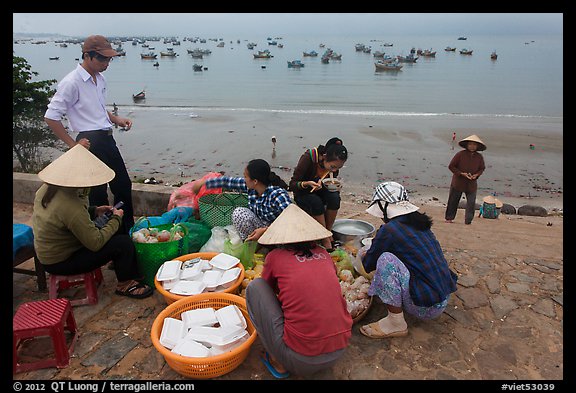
(30,134)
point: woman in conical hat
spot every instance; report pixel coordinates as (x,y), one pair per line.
(298,298)
(466,166)
(410,273)
(66,239)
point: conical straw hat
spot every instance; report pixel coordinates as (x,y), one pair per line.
(473,138)
(494,200)
(78,167)
(293,225)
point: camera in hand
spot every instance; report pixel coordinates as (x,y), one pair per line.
(102,220)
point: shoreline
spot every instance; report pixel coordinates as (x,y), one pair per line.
(176,146)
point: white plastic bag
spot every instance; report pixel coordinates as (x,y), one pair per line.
(216,241)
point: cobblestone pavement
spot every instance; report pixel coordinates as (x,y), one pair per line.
(505,322)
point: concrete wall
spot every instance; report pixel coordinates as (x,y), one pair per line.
(148,199)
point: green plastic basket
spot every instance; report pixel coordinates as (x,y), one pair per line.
(150,256)
(216,209)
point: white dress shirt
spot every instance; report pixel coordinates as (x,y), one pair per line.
(81,100)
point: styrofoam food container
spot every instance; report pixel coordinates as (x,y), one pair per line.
(169,284)
(367,241)
(191,349)
(210,278)
(229,276)
(187,288)
(215,335)
(192,272)
(191,262)
(173,330)
(224,261)
(169,270)
(230,316)
(220,349)
(199,317)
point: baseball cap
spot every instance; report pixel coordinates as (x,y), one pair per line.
(98,44)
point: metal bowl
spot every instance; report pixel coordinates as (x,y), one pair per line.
(345,230)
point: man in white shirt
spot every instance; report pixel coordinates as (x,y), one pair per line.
(81,96)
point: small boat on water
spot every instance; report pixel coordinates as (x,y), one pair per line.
(411,58)
(262,54)
(462,38)
(465,51)
(312,53)
(494,55)
(139,96)
(428,53)
(388,66)
(197,67)
(168,53)
(54,58)
(295,64)
(148,55)
(449,49)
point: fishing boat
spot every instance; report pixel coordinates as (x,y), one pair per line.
(494,55)
(139,96)
(378,54)
(263,54)
(428,53)
(197,67)
(168,53)
(465,51)
(388,66)
(295,64)
(54,58)
(312,53)
(411,58)
(148,55)
(449,49)
(462,38)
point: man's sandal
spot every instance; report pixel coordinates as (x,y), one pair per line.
(373,330)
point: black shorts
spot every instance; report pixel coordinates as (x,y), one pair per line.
(316,203)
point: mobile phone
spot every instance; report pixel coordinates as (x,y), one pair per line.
(104,218)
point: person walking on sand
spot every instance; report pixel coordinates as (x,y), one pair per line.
(466,166)
(453,140)
(81,97)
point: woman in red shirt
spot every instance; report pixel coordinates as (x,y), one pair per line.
(297,305)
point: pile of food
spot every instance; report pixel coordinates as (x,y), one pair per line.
(153,235)
(354,286)
(254,272)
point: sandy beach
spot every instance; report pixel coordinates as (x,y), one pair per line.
(176,145)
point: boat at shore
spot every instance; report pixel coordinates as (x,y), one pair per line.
(139,96)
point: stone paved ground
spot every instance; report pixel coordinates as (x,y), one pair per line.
(505,322)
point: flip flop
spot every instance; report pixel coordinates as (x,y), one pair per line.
(128,291)
(376,332)
(266,360)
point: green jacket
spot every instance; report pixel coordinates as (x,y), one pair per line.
(66,225)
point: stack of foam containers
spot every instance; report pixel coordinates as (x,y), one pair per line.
(199,275)
(205,332)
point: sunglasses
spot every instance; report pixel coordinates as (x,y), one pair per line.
(103,59)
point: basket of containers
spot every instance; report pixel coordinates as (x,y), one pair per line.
(216,209)
(204,336)
(197,273)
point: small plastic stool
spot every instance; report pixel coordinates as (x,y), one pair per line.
(44,318)
(90,281)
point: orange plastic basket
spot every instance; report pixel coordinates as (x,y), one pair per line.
(171,297)
(207,367)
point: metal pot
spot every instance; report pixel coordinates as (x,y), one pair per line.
(346,230)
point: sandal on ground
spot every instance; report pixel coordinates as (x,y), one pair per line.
(129,292)
(373,330)
(277,374)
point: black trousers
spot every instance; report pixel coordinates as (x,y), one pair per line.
(118,249)
(103,146)
(453,201)
(316,203)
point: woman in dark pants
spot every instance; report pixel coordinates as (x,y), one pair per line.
(307,187)
(466,167)
(66,239)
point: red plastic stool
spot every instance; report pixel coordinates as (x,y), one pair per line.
(44,318)
(90,281)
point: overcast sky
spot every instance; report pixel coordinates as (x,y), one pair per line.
(218,25)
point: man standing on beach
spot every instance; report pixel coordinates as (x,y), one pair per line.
(453,140)
(466,167)
(81,96)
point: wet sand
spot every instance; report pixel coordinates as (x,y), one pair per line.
(181,144)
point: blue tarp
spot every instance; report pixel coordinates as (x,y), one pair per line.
(22,236)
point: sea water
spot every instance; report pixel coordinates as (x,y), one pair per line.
(525,81)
